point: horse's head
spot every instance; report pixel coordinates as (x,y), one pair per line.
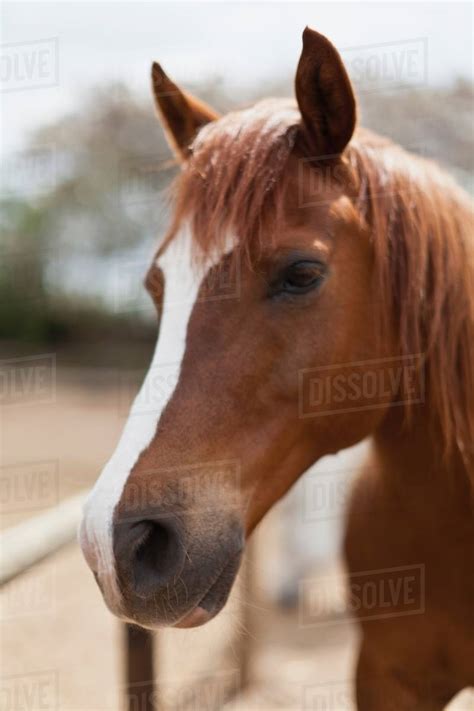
(280,292)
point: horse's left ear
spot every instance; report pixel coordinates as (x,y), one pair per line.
(325,96)
(182,115)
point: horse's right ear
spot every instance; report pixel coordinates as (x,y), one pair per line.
(182,115)
(325,97)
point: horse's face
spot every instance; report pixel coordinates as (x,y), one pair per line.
(166,523)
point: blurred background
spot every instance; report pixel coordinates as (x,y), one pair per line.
(84,200)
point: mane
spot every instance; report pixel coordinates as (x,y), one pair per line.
(421,225)
(419,220)
(233,182)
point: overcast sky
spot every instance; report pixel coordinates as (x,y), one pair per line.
(64,48)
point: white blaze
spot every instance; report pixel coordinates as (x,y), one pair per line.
(96,537)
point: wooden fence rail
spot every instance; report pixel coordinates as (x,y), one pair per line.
(37,538)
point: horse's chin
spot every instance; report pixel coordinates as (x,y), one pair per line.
(197,617)
(208,606)
(214,599)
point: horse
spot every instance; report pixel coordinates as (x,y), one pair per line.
(324,279)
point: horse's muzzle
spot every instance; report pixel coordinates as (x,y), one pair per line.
(172,572)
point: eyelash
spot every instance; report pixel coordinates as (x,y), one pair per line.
(283,285)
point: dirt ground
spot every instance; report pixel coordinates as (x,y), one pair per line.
(60,648)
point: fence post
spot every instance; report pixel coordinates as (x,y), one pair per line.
(246,642)
(141,691)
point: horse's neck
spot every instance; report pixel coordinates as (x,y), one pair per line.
(412,464)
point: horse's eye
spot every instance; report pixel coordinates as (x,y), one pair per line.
(301,277)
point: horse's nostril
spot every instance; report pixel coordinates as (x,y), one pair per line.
(156,551)
(149,553)
(154,544)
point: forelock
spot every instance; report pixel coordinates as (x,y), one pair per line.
(232,181)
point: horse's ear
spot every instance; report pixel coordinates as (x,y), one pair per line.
(325,96)
(182,115)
